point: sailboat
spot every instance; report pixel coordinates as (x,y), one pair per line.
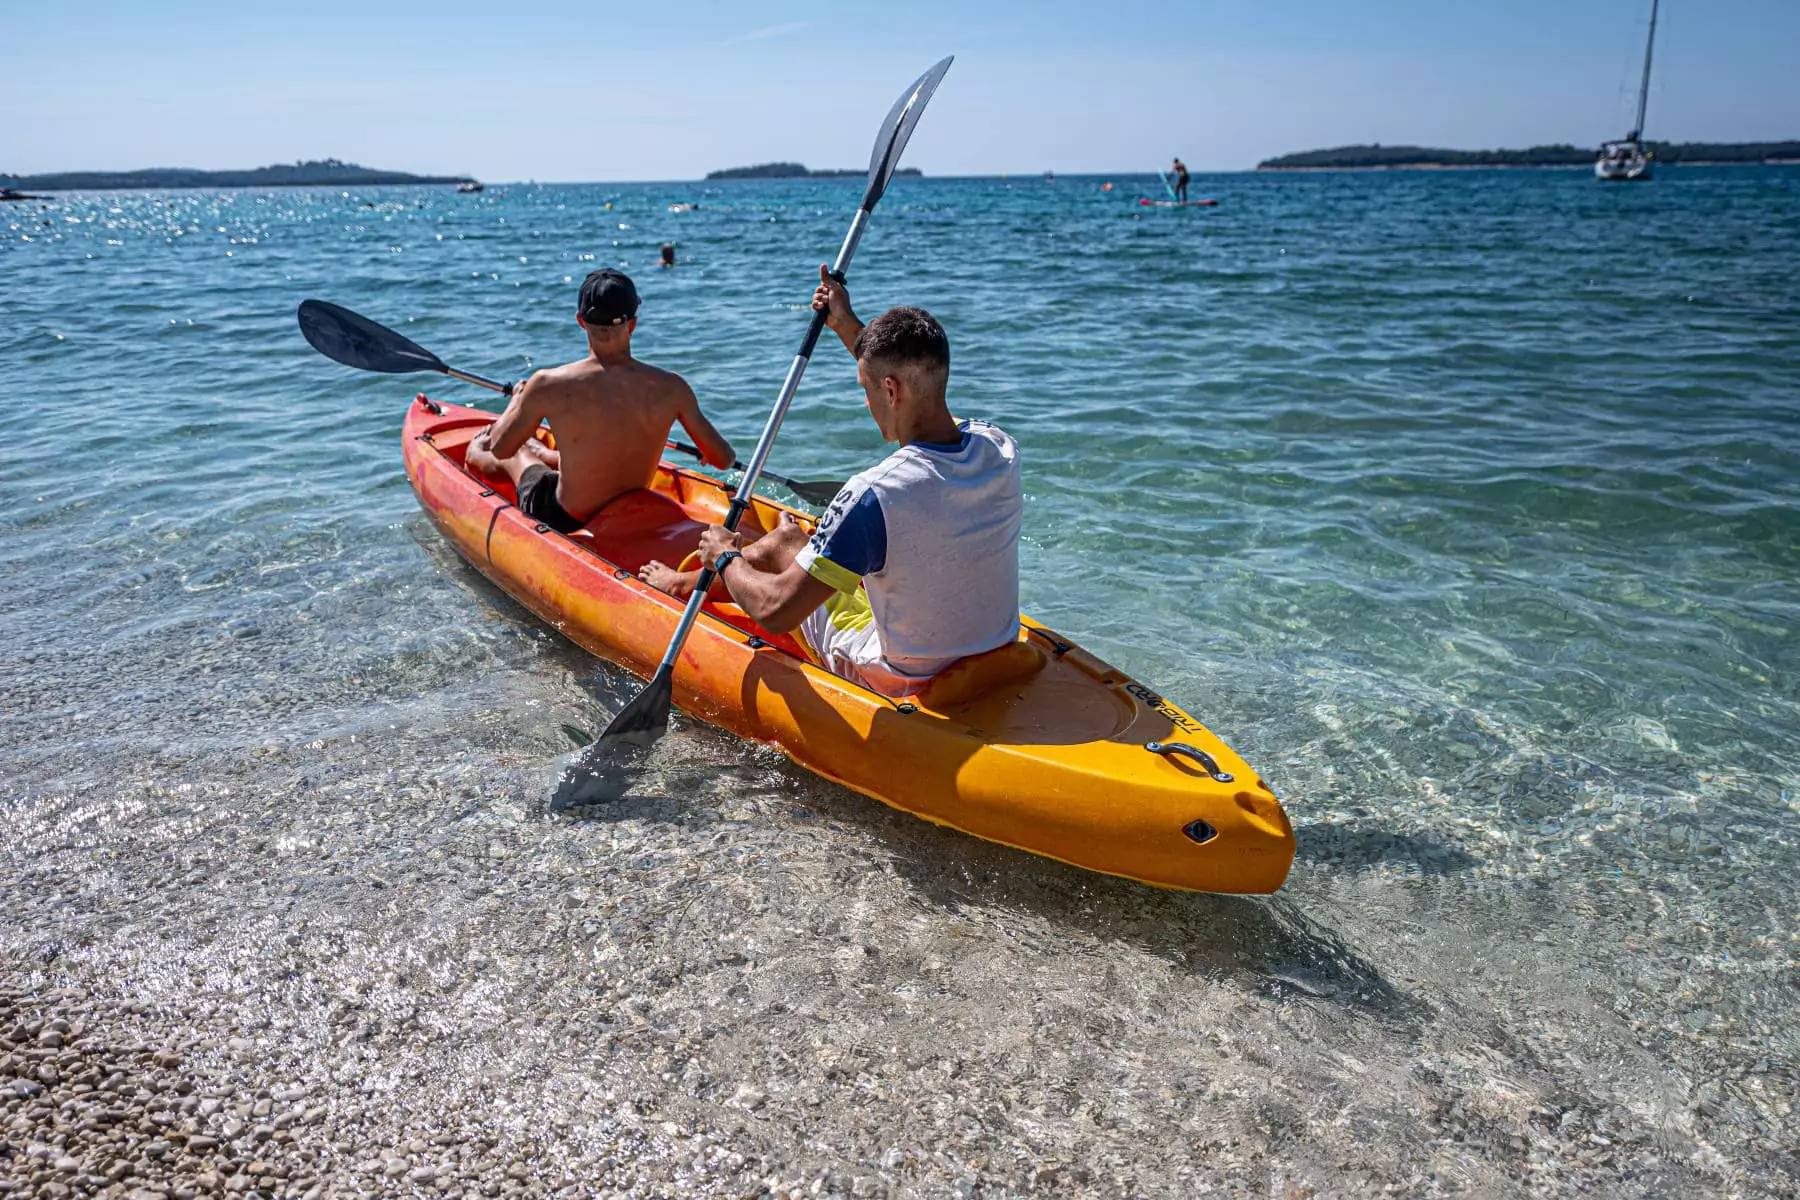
(1626,159)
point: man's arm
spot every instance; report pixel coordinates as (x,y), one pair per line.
(777,602)
(520,420)
(712,443)
(776,592)
(833,299)
(785,575)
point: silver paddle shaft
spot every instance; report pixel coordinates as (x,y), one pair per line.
(753,469)
(478,381)
(790,385)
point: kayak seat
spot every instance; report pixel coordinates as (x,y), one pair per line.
(969,679)
(638,526)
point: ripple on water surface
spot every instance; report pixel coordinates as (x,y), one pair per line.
(1465,506)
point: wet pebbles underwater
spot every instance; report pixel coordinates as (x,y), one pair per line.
(1465,507)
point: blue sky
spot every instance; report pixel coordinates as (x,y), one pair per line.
(518,89)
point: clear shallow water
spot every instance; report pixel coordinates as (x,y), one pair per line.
(1462,504)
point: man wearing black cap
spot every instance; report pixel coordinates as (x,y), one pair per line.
(610,413)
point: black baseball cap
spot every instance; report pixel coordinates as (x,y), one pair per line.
(608,297)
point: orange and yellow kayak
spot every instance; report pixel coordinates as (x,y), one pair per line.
(1037,745)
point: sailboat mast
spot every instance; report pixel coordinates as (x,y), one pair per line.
(1644,87)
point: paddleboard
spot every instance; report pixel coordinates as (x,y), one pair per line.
(1177,203)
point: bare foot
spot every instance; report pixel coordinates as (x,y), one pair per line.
(659,575)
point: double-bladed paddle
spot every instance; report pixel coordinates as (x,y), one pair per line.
(813,491)
(603,770)
(354,340)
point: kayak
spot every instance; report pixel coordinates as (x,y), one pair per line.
(1038,745)
(1177,203)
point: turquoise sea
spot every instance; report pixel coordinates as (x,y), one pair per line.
(1465,505)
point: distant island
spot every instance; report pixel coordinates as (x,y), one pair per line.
(1418,157)
(328,172)
(790,170)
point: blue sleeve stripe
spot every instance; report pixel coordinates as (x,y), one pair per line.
(859,542)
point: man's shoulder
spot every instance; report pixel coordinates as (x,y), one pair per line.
(587,377)
(987,429)
(562,375)
(994,439)
(895,468)
(654,385)
(653,374)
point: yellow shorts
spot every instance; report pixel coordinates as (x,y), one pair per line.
(841,637)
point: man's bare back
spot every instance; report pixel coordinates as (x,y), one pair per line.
(610,414)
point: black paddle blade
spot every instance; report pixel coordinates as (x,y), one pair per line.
(818,491)
(356,341)
(605,771)
(901,120)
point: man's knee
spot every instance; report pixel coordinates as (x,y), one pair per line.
(534,451)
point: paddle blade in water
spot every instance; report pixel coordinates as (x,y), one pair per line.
(356,341)
(605,771)
(814,491)
(901,120)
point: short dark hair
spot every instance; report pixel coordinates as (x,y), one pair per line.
(908,337)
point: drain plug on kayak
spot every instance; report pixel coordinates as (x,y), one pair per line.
(1200,831)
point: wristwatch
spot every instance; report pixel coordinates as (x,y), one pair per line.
(719,562)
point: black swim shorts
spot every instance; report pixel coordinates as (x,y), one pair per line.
(537,499)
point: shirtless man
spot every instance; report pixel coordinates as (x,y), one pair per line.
(1180,172)
(610,414)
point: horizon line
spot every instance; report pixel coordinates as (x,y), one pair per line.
(1025,173)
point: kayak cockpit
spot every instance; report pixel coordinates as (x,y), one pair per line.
(638,527)
(660,523)
(663,523)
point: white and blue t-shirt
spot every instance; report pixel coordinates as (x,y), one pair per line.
(931,534)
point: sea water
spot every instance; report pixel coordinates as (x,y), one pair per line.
(1462,504)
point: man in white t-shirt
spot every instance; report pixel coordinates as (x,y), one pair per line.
(915,564)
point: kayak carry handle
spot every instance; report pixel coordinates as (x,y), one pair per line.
(1194,752)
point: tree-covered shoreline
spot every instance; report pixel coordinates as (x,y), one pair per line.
(794,170)
(1561,155)
(327,172)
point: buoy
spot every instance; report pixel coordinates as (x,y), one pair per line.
(1106,187)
